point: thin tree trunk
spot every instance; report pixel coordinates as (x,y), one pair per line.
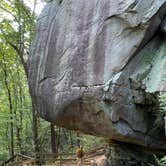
(20,52)
(58,139)
(53,139)
(10,110)
(19,131)
(11,124)
(20,125)
(71,140)
(17,115)
(78,140)
(35,133)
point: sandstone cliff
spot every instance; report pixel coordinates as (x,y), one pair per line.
(98,66)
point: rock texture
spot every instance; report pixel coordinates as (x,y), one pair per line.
(98,66)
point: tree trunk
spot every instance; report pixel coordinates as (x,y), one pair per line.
(35,133)
(71,140)
(10,109)
(78,139)
(53,139)
(11,129)
(17,116)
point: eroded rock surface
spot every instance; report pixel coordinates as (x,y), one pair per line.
(98,66)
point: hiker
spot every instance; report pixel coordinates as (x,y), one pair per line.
(93,163)
(80,154)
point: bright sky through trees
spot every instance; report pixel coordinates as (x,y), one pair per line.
(39,6)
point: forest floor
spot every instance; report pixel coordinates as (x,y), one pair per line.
(96,153)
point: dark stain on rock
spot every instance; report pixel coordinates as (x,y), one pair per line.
(99,48)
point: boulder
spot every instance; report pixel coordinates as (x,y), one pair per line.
(99,67)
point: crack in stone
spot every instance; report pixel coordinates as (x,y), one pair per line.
(52,77)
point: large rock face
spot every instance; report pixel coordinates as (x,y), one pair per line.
(98,66)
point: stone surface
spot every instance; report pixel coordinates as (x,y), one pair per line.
(99,67)
(123,155)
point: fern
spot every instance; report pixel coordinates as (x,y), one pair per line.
(162,103)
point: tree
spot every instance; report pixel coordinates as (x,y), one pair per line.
(53,139)
(8,89)
(17,34)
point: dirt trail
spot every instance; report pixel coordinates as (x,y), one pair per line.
(96,153)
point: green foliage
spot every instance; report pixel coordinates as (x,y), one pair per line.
(21,102)
(3,156)
(162,101)
(90,142)
(159,162)
(162,108)
(163,161)
(17,23)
